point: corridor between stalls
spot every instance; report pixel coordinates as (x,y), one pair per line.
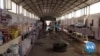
(48,45)
(58,43)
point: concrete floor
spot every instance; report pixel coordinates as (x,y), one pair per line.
(44,45)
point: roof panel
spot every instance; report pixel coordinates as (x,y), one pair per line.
(54,7)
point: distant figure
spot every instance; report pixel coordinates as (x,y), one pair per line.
(43,25)
(47,28)
(56,27)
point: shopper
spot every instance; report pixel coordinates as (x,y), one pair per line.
(56,27)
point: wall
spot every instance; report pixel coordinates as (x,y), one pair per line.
(95,28)
(17,18)
(94,17)
(69,21)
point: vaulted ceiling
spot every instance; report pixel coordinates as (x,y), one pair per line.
(53,8)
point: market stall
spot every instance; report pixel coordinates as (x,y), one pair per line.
(16,38)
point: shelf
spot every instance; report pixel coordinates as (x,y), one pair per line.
(73,36)
(4,47)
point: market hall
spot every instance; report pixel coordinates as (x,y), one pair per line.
(49,27)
